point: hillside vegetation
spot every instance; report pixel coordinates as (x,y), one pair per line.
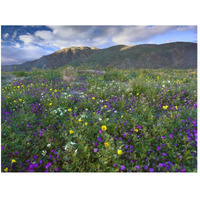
(79,120)
(178,55)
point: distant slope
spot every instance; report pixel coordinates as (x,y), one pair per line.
(178,55)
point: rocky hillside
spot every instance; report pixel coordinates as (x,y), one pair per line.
(178,55)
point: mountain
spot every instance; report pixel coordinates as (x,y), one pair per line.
(177,55)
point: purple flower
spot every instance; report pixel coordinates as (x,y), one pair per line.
(164,154)
(34,157)
(139,127)
(145,167)
(122,168)
(35,165)
(2,147)
(151,169)
(170,135)
(40,161)
(138,167)
(99,139)
(114,165)
(131,147)
(95,150)
(100,131)
(56,170)
(50,156)
(183,170)
(48,165)
(52,151)
(158,148)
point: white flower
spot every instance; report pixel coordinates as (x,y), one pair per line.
(115,111)
(100,119)
(72,143)
(48,145)
(44,152)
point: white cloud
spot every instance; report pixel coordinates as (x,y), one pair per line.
(18,54)
(14,35)
(6,35)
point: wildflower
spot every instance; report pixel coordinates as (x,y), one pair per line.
(69,110)
(158,148)
(55,90)
(105,106)
(71,132)
(95,150)
(93,98)
(165,107)
(50,104)
(104,128)
(176,107)
(114,165)
(20,99)
(79,119)
(50,89)
(136,130)
(122,168)
(6,169)
(151,169)
(137,167)
(86,124)
(14,101)
(106,144)
(48,145)
(122,116)
(13,161)
(119,152)
(18,87)
(137,94)
(99,139)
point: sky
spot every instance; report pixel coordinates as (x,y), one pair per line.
(25,43)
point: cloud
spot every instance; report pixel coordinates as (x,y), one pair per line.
(6,35)
(18,54)
(186,28)
(14,35)
(29,46)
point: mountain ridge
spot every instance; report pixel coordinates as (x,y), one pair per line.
(177,55)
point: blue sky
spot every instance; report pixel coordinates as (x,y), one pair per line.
(25,43)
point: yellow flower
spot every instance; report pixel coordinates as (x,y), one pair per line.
(176,107)
(137,93)
(136,130)
(79,120)
(55,90)
(13,161)
(171,115)
(50,104)
(14,101)
(104,128)
(93,98)
(122,116)
(50,89)
(71,132)
(69,110)
(165,107)
(105,106)
(119,152)
(6,169)
(106,144)
(20,99)
(18,87)
(86,124)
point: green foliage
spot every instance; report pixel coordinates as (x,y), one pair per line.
(51,124)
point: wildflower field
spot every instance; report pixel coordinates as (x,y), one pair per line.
(100,121)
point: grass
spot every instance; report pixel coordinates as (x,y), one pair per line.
(120,121)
